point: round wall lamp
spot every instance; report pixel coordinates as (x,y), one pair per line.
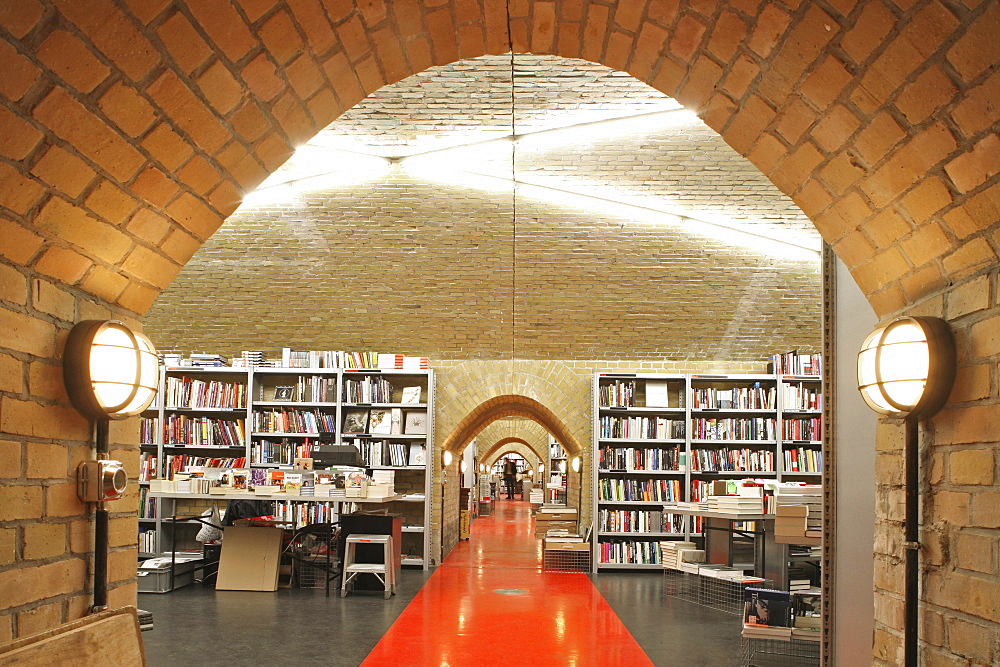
(541,468)
(907,367)
(465,466)
(482,467)
(906,370)
(446,458)
(576,464)
(110,371)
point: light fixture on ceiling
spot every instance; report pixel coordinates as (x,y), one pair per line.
(906,370)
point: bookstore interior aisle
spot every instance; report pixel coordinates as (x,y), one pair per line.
(488,603)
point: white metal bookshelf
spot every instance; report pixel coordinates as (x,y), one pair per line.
(743,433)
(260,386)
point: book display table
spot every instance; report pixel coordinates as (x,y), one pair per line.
(770,559)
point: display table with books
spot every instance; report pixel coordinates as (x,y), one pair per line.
(770,558)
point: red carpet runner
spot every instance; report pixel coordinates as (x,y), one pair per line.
(489,603)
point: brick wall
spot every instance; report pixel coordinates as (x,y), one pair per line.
(413,254)
(134,126)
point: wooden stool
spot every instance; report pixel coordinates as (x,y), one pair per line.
(383,571)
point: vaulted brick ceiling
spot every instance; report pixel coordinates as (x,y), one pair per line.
(420,259)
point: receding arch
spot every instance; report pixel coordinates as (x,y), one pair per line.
(509,405)
(501,447)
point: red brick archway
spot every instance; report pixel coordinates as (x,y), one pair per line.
(134,127)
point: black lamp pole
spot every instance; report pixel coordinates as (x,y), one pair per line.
(101,521)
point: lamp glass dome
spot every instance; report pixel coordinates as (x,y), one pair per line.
(906,366)
(576,464)
(447,458)
(110,371)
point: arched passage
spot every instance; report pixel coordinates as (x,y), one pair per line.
(134,131)
(509,406)
(498,449)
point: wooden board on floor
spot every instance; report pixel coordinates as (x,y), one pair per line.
(110,637)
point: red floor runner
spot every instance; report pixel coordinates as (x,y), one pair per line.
(489,603)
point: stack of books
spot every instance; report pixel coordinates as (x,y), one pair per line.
(748,505)
(670,551)
(209,360)
(811,497)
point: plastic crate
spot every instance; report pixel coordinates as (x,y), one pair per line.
(157,580)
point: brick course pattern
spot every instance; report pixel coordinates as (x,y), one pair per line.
(779,81)
(588,283)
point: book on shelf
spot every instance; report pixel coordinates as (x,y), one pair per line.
(396,421)
(417,455)
(657,394)
(355,422)
(416,423)
(380,422)
(410,395)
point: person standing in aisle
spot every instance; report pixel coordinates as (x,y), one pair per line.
(510,477)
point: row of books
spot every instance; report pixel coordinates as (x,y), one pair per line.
(185,392)
(802,429)
(629,552)
(742,428)
(306,389)
(801,396)
(641,428)
(732,460)
(203,431)
(147,505)
(803,459)
(147,466)
(638,521)
(754,397)
(341,359)
(393,421)
(378,390)
(176,463)
(618,394)
(283,452)
(303,514)
(648,490)
(147,541)
(639,458)
(149,428)
(293,421)
(391,453)
(382,453)
(793,363)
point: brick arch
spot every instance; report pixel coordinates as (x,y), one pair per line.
(134,131)
(504,446)
(502,407)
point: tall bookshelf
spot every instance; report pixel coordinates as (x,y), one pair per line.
(267,417)
(664,437)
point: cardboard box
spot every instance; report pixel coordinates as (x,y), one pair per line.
(249,560)
(566,546)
